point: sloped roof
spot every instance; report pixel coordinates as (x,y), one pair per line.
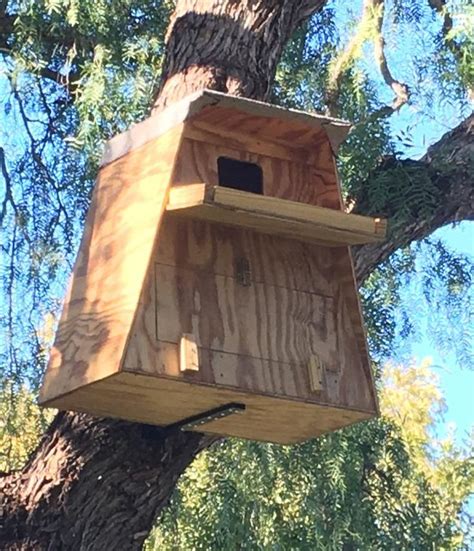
(261,120)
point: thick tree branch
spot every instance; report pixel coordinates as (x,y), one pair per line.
(452,160)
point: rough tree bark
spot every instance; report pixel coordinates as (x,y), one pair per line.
(231,46)
(96,484)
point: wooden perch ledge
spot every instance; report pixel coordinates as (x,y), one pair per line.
(276,216)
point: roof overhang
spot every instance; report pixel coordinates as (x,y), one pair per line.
(259,119)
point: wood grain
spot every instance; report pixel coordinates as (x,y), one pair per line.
(352,339)
(163,401)
(160,323)
(188,353)
(268,125)
(127,205)
(199,245)
(274,215)
(257,120)
(219,136)
(315,370)
(314,184)
(200,258)
(259,320)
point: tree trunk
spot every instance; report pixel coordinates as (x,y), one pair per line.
(93,484)
(99,484)
(231,46)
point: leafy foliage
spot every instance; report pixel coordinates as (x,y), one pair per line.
(381,300)
(20,426)
(49,163)
(377,485)
(108,55)
(297,84)
(424,281)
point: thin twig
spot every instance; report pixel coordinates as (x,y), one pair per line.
(440,7)
(333,90)
(8,199)
(370,25)
(400,89)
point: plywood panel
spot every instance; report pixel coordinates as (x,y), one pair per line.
(230,114)
(146,354)
(307,183)
(352,340)
(117,348)
(211,248)
(262,321)
(200,248)
(203,132)
(219,369)
(163,401)
(233,120)
(127,205)
(340,388)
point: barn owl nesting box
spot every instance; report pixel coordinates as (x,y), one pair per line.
(214,287)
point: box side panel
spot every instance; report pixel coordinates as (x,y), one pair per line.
(163,401)
(352,339)
(128,202)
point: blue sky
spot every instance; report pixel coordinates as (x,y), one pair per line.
(457,383)
(415,127)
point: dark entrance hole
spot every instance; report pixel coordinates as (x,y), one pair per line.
(240,175)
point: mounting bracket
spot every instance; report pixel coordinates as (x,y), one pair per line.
(220,412)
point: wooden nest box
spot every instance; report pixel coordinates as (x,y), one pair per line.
(214,285)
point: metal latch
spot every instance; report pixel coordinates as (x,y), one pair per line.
(243,272)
